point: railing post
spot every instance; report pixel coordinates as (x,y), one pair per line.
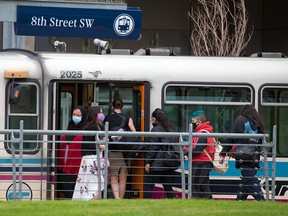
(98,166)
(21,137)
(106,159)
(190,162)
(13,165)
(274,162)
(183,183)
(266,173)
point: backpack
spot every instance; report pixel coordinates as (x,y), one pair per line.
(171,156)
(220,164)
(168,158)
(119,129)
(248,152)
(129,150)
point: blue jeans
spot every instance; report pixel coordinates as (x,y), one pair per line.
(249,184)
(200,180)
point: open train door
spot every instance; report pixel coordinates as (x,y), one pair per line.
(141,121)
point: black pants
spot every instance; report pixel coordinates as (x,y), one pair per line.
(249,184)
(166,178)
(200,180)
(68,182)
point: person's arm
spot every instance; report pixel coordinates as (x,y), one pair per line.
(131,125)
(152,150)
(199,148)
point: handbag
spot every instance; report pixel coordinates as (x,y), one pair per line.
(220,164)
(246,153)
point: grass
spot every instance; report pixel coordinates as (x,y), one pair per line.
(142,207)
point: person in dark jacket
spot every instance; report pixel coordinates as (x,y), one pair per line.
(86,187)
(95,116)
(201,164)
(69,155)
(154,171)
(247,122)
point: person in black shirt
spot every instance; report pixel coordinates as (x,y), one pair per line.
(118,166)
(95,116)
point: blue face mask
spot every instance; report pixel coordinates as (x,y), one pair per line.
(76,119)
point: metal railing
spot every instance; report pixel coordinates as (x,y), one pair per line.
(45,186)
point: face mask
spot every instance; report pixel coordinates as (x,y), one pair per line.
(194,125)
(100,117)
(76,119)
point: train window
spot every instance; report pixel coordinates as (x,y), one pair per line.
(209,93)
(275,95)
(106,94)
(220,103)
(273,109)
(66,111)
(26,109)
(27,101)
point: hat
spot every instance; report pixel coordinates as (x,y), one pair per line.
(198,113)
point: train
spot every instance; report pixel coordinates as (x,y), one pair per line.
(42,88)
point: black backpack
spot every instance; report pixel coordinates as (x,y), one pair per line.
(129,150)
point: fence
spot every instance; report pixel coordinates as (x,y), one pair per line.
(36,175)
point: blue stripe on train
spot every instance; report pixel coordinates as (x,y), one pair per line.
(281,169)
(25,161)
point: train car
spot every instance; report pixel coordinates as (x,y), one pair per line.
(42,88)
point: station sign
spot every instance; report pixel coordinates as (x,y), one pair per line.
(79,22)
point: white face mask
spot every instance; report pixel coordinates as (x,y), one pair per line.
(76,119)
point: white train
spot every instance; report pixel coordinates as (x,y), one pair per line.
(53,83)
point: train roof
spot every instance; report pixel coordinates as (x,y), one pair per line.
(156,68)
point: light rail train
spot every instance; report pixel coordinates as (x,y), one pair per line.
(42,89)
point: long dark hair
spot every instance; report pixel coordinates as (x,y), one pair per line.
(92,116)
(158,114)
(251,112)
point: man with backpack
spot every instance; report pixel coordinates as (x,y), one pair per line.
(201,164)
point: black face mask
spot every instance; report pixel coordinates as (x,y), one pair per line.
(194,125)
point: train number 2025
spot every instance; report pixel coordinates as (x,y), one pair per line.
(71,74)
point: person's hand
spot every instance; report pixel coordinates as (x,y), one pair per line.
(223,154)
(147,168)
(102,147)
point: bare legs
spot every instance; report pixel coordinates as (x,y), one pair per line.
(118,183)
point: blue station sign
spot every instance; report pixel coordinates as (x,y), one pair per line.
(79,22)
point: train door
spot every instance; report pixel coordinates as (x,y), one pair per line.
(66,95)
(142,124)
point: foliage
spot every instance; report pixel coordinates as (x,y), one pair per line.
(219,28)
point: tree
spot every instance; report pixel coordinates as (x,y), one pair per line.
(220,28)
